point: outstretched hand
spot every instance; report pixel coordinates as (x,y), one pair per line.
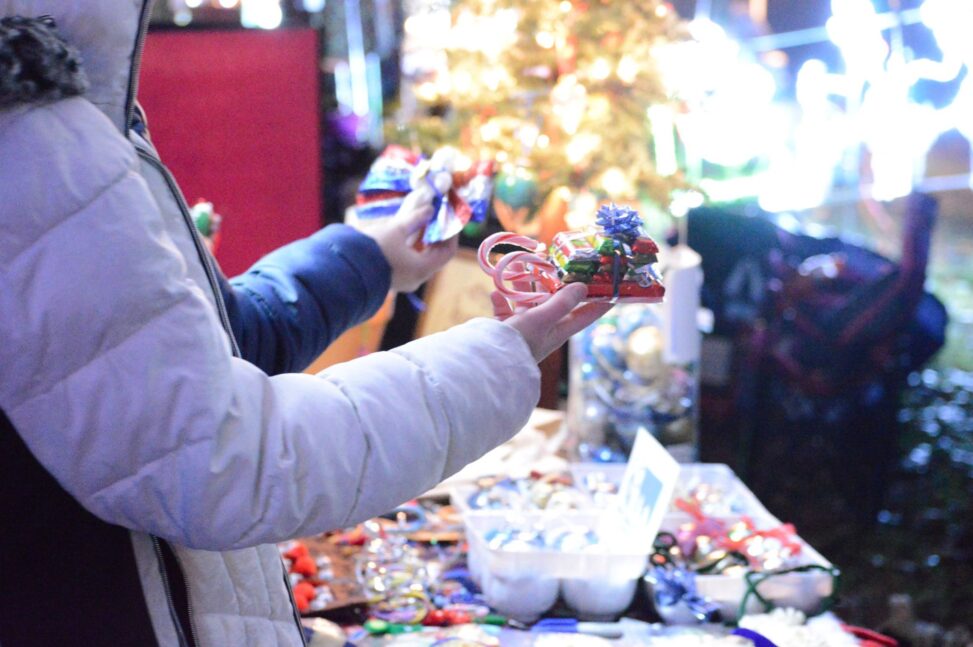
(546,327)
(397,236)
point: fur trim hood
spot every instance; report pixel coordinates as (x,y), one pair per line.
(35,62)
(48,48)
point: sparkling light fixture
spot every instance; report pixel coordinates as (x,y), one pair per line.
(261,14)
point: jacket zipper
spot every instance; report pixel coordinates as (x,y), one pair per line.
(204,256)
(290,594)
(136,63)
(181,634)
(144,17)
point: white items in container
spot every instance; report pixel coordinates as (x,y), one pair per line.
(524,585)
(597,581)
(595,485)
(594,558)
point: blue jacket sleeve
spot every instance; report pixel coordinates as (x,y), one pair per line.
(287,308)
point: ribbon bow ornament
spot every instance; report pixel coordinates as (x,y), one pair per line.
(458,191)
(676,598)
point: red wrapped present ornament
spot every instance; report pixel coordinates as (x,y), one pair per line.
(614,258)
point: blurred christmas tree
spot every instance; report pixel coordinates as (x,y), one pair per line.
(559,93)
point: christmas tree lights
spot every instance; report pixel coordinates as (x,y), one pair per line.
(559,93)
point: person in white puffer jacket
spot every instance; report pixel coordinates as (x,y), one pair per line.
(146,468)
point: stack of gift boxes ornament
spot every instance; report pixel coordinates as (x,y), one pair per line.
(615,258)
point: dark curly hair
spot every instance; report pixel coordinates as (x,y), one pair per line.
(35,62)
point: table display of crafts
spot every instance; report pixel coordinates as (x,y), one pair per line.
(415,571)
(717,547)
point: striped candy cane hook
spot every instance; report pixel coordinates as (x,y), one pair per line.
(525,278)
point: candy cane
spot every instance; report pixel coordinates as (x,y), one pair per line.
(501,238)
(532,277)
(524,271)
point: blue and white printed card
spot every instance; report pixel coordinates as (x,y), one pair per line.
(647,489)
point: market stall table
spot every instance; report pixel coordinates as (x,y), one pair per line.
(417,576)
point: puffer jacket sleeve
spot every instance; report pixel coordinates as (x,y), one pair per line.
(288,307)
(116,373)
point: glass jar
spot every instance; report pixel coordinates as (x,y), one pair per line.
(620,381)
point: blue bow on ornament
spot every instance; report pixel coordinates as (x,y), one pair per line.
(622,225)
(676,598)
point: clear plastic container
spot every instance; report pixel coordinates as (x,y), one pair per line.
(596,584)
(724,494)
(600,585)
(621,381)
(574,500)
(800,590)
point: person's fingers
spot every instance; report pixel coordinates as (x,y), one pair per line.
(418,198)
(453,243)
(450,247)
(444,251)
(446,247)
(431,258)
(547,314)
(411,218)
(547,326)
(501,307)
(580,318)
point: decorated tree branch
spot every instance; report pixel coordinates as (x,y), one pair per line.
(556,92)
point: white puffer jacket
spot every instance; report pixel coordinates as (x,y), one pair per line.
(120,378)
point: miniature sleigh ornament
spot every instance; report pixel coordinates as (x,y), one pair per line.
(614,258)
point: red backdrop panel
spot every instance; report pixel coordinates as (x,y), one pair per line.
(234,115)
